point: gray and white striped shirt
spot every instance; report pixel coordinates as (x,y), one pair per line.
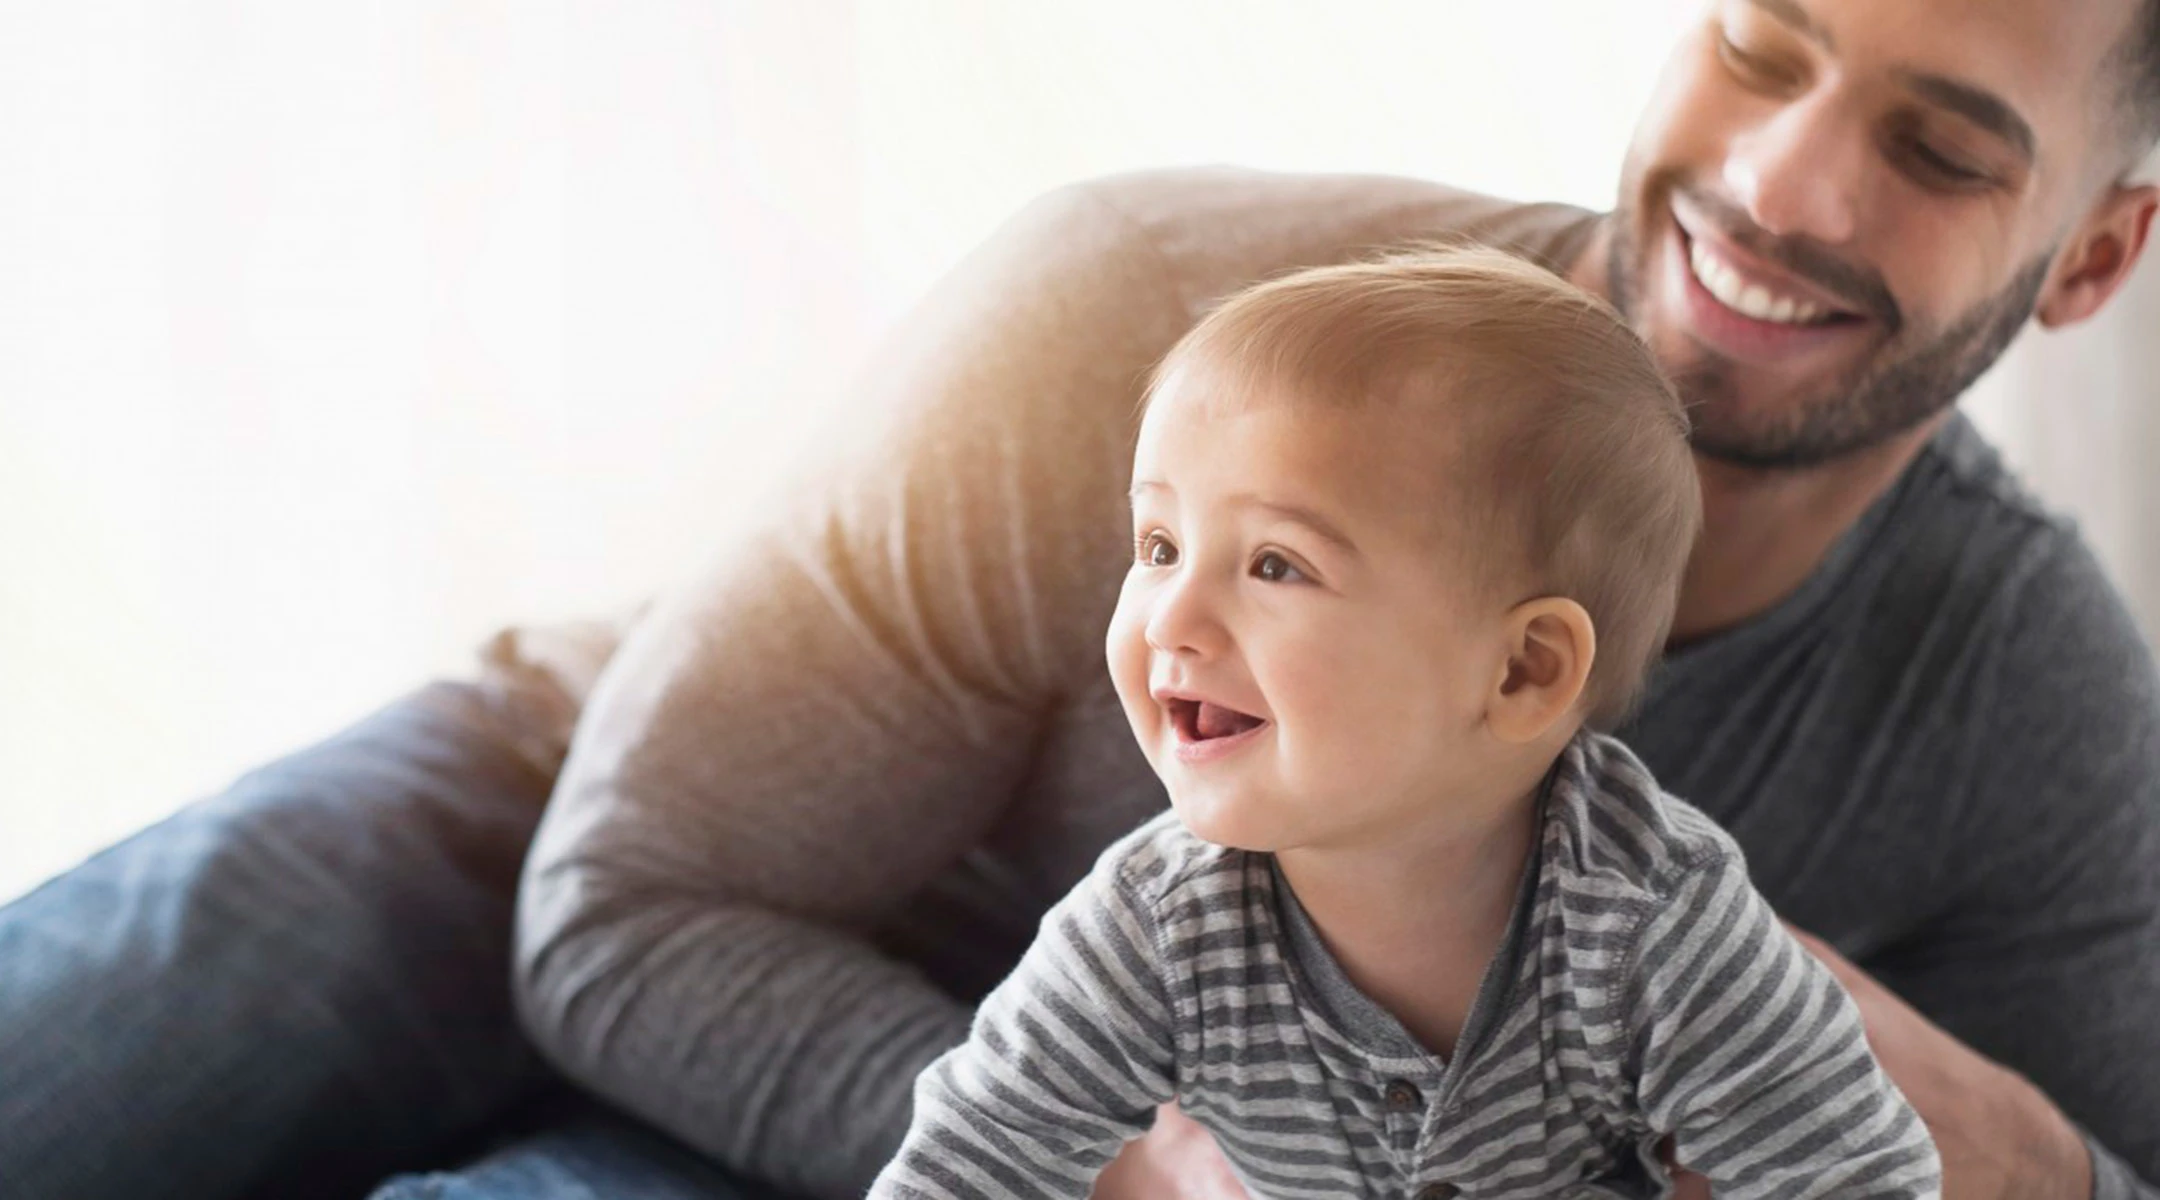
(1643,989)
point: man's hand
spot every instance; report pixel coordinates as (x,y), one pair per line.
(1176,1160)
(1686,1184)
(1998,1135)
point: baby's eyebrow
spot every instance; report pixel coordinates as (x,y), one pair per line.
(1320,526)
(1295,514)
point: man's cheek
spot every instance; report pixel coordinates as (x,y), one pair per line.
(1679,124)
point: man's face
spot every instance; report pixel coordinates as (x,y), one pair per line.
(1837,213)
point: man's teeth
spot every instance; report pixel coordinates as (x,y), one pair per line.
(1748,299)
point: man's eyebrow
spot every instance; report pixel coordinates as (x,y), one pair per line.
(1978,105)
(1790,13)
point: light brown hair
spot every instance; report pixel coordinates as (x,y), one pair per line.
(1576,445)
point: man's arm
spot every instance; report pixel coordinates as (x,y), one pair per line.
(1065,1063)
(1999,1136)
(1748,1054)
(777,760)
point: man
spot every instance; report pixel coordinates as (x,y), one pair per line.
(826,792)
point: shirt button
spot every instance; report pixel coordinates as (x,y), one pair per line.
(1402,1096)
(1438,1191)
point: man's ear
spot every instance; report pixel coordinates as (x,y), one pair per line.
(1550,646)
(2093,264)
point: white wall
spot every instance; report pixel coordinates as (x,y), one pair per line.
(334,336)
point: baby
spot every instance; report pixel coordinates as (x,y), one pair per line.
(1404,534)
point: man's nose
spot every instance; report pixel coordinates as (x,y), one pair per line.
(1799,173)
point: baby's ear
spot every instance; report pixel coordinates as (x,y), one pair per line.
(1550,646)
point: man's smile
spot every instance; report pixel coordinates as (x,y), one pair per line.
(1747,309)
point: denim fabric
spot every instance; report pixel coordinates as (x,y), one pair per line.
(581,1152)
(297,987)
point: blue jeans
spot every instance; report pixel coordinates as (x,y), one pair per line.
(301,987)
(581,1152)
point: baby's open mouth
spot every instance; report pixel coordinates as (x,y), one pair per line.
(1203,721)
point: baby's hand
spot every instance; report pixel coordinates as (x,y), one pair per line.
(1175,1160)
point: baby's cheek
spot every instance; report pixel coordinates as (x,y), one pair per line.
(1380,714)
(1348,677)
(1126,652)
(1333,717)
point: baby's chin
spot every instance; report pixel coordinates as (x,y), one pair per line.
(1233,819)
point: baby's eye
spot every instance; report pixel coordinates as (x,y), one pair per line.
(1154,550)
(1271,567)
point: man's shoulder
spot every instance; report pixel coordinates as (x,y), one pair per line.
(1991,687)
(2054,671)
(1246,204)
(1212,229)
(1960,478)
(1971,549)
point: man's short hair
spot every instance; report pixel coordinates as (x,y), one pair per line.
(2138,72)
(1575,449)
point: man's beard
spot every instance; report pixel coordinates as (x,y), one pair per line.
(1910,379)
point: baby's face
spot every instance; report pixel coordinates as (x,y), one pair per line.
(1294,645)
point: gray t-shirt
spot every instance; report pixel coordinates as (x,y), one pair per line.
(1643,990)
(820,799)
